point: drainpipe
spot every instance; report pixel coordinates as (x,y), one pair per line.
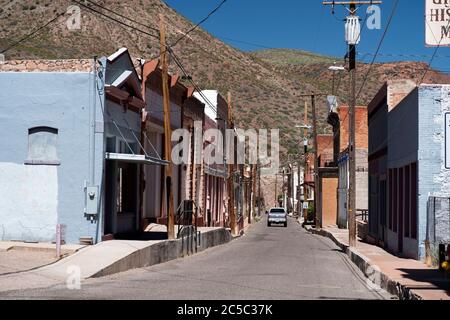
(91,190)
(92,128)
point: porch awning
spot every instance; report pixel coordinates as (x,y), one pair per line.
(135,158)
(215,172)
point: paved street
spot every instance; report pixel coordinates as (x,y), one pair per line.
(266,263)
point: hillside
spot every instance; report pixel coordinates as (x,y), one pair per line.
(265,85)
(282,57)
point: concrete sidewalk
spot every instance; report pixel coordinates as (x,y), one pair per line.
(405,278)
(18,256)
(109,257)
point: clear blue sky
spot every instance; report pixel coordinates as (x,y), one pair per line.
(308,25)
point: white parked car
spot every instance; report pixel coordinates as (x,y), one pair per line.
(277,216)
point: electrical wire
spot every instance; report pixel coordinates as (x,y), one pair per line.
(168,48)
(199,23)
(373,61)
(403,55)
(434,54)
(189,77)
(394,9)
(122,16)
(115,20)
(31,34)
(246,42)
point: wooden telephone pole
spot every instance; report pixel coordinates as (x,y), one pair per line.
(254,177)
(305,151)
(352,119)
(231,210)
(167,130)
(259,187)
(317,215)
(276,191)
(351,143)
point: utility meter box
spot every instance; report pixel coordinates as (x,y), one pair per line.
(91,200)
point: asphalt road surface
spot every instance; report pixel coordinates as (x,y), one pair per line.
(266,263)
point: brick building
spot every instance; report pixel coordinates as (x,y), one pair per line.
(328,181)
(339,119)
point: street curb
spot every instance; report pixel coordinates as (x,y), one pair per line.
(165,251)
(370,271)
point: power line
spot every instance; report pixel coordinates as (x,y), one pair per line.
(246,42)
(189,77)
(32,33)
(394,8)
(403,55)
(434,54)
(373,61)
(122,16)
(168,48)
(199,23)
(115,20)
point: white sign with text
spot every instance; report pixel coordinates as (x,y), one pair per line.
(447,140)
(437,28)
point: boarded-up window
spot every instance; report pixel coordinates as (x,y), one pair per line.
(391,199)
(414,195)
(42,146)
(396,202)
(407,200)
(383,202)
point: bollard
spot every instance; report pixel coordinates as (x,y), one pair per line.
(441,256)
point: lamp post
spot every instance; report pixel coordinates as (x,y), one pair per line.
(301,194)
(335,69)
(352,37)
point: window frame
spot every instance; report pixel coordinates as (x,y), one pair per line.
(50,161)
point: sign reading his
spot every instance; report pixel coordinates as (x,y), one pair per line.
(437,28)
(447,140)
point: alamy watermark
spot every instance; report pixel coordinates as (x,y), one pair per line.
(373,280)
(373,17)
(230,146)
(73,281)
(73,21)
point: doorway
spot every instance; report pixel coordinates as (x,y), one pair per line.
(121,198)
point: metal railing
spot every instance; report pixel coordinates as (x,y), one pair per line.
(240,224)
(187,221)
(363,214)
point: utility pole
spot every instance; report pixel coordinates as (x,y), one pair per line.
(254,188)
(317,215)
(167,130)
(316,163)
(249,195)
(231,210)
(259,187)
(351,143)
(353,34)
(276,191)
(305,151)
(284,190)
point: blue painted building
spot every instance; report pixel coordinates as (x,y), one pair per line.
(407,164)
(70,153)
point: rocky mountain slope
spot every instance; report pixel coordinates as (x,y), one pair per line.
(265,85)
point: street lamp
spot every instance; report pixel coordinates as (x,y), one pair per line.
(335,69)
(305,139)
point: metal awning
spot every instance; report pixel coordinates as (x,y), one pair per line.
(215,172)
(135,158)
